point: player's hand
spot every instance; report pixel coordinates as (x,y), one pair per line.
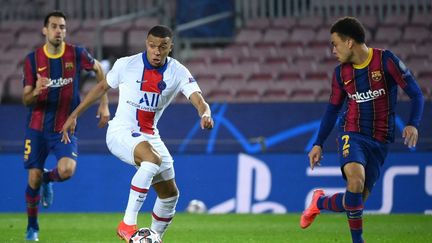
(103,114)
(68,128)
(315,156)
(410,134)
(207,122)
(41,84)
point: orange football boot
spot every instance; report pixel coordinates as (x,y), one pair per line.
(308,216)
(125,231)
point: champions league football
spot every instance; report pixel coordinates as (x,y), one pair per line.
(145,235)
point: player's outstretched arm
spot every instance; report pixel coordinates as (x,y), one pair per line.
(315,156)
(203,110)
(410,134)
(95,93)
(103,111)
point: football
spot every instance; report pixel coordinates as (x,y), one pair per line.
(145,235)
(196,206)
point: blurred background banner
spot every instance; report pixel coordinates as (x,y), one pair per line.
(252,128)
(231,183)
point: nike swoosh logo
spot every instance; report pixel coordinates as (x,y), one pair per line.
(347,82)
(141,81)
(41,69)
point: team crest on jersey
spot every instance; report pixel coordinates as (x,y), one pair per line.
(162,85)
(376,76)
(69,66)
(345,153)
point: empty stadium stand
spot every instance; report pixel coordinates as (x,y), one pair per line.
(281,56)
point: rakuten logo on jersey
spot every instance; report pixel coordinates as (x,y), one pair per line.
(59,82)
(366,96)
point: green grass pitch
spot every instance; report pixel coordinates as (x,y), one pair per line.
(230,228)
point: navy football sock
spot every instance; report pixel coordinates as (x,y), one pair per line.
(32,200)
(333,203)
(354,210)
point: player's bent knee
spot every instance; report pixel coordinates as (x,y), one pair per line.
(145,152)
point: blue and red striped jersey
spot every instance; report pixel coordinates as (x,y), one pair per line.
(370,94)
(55,103)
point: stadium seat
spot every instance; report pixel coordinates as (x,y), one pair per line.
(274,64)
(236,49)
(14,87)
(274,95)
(275,35)
(398,21)
(249,36)
(284,22)
(258,23)
(403,48)
(83,37)
(323,95)
(263,49)
(302,95)
(417,34)
(388,34)
(313,22)
(136,40)
(424,20)
(113,38)
(220,95)
(302,35)
(247,94)
(30,39)
(144,24)
(290,49)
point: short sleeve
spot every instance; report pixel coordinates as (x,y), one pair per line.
(29,77)
(113,76)
(87,60)
(188,85)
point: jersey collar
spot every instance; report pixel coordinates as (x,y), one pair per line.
(147,65)
(365,63)
(54,56)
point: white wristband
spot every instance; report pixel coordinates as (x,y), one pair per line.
(205,115)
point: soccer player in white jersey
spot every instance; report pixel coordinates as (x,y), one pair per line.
(147,83)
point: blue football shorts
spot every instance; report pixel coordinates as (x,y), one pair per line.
(356,147)
(37,146)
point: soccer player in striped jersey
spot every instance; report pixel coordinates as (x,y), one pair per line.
(366,81)
(51,80)
(147,84)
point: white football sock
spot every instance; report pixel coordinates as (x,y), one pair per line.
(140,185)
(163,213)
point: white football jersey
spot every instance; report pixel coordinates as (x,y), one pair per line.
(145,91)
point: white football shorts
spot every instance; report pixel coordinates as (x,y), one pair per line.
(121,142)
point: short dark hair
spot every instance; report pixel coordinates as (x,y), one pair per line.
(55,13)
(349,27)
(160,31)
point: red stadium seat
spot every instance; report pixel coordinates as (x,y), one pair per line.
(274,95)
(398,21)
(247,94)
(302,95)
(258,23)
(284,22)
(424,20)
(416,34)
(220,95)
(388,34)
(275,35)
(313,22)
(303,35)
(249,36)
